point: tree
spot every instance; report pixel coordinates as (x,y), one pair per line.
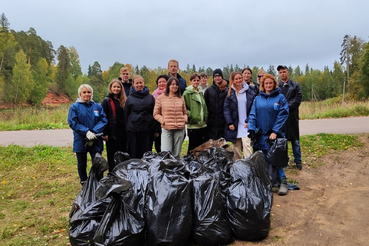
(97,83)
(76,70)
(22,83)
(271,70)
(4,23)
(41,78)
(63,69)
(7,40)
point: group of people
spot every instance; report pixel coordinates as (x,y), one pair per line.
(248,114)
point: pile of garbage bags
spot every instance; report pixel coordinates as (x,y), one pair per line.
(161,200)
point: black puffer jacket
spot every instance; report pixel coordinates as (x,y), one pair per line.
(138,111)
(214,99)
(111,129)
(127,86)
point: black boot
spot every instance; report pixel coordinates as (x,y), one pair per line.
(283,188)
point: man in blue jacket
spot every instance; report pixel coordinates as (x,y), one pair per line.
(292,91)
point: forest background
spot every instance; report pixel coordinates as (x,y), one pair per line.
(30,67)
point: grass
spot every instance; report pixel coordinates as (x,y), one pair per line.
(333,109)
(56,118)
(39,184)
(32,118)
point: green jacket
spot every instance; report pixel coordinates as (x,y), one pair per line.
(197,111)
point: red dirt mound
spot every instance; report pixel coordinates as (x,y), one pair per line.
(53,99)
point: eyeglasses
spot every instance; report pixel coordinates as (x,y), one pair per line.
(260,76)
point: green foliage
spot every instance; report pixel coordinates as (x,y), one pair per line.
(40,75)
(63,69)
(76,70)
(22,83)
(113,72)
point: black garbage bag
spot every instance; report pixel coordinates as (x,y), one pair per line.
(278,153)
(123,223)
(209,178)
(249,198)
(120,156)
(154,159)
(210,225)
(168,209)
(87,210)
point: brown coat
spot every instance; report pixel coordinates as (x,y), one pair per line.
(170,112)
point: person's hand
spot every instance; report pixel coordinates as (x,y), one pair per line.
(231,127)
(156,134)
(246,125)
(105,138)
(90,135)
(272,136)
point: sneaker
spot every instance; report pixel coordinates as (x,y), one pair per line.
(299,166)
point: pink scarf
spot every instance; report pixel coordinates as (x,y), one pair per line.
(158,92)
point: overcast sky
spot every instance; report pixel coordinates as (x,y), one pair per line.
(210,33)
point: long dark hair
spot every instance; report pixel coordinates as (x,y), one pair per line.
(170,80)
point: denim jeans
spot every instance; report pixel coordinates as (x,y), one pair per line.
(296,149)
(171,140)
(82,164)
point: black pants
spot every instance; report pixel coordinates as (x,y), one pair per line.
(196,137)
(139,143)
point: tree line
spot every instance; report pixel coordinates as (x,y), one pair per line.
(30,67)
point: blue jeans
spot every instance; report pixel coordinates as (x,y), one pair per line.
(296,149)
(82,163)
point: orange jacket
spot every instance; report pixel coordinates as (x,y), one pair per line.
(170,112)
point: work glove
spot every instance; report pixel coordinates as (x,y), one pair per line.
(90,135)
(252,135)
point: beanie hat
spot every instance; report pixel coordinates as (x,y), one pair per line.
(218,72)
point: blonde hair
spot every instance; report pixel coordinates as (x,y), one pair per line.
(88,87)
(124,69)
(262,80)
(173,60)
(122,95)
(136,77)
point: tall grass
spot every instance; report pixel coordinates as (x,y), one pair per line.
(32,118)
(332,109)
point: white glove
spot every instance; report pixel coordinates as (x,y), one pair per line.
(90,135)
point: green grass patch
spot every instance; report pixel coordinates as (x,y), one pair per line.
(32,118)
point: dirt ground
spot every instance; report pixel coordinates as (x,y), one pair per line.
(331,207)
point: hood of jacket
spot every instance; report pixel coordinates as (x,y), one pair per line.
(245,87)
(273,94)
(79,100)
(142,93)
(191,89)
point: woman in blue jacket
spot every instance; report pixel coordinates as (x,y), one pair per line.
(86,118)
(237,106)
(268,115)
